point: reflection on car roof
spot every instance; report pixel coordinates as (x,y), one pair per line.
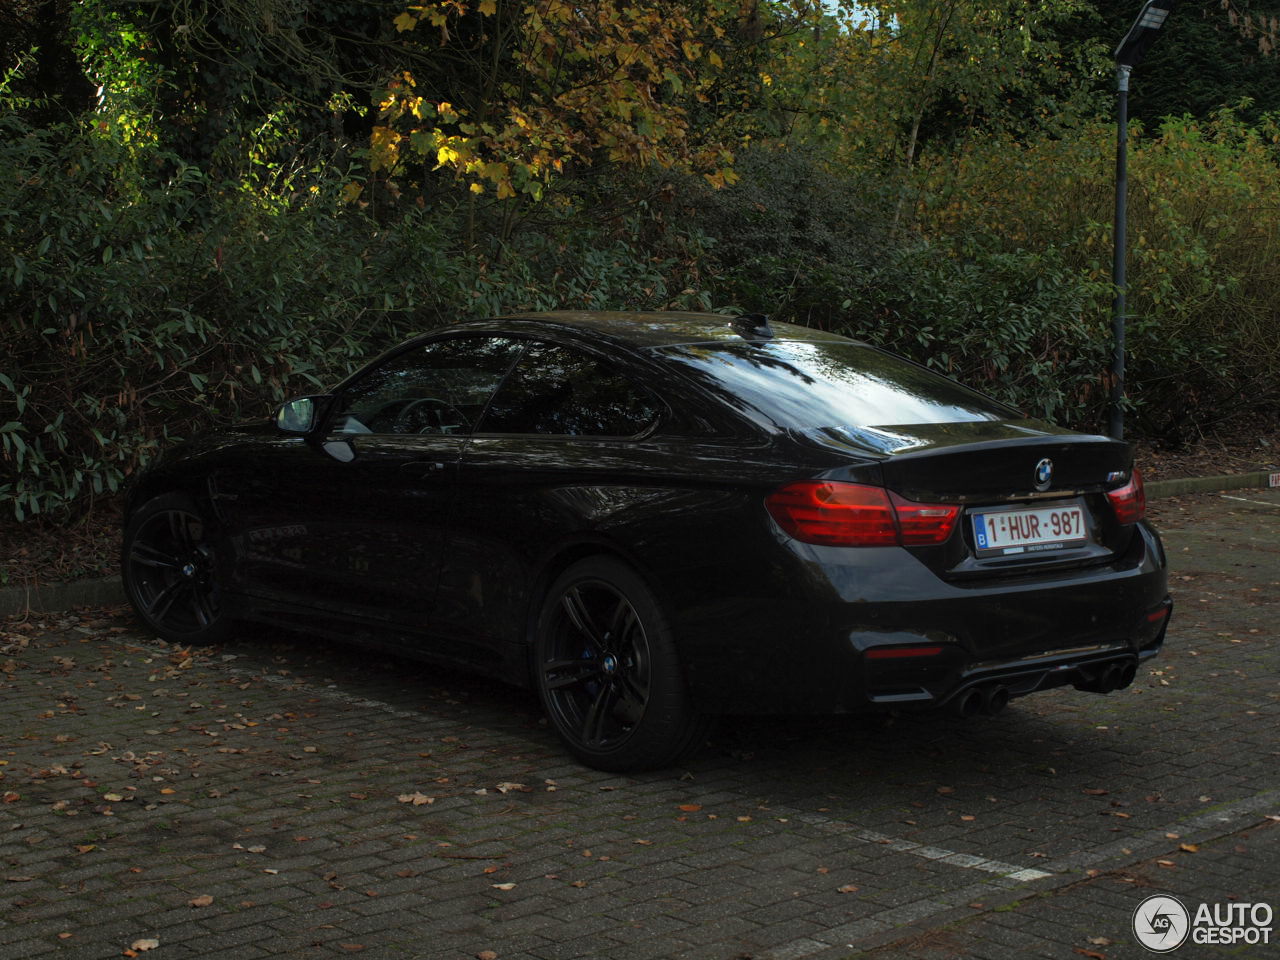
(641,329)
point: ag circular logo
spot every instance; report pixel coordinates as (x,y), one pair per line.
(1161,923)
(1044,474)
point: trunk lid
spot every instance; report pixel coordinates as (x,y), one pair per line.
(1033,495)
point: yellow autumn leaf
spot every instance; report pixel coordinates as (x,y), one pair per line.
(497,172)
(487,8)
(406,21)
(476,188)
(384,148)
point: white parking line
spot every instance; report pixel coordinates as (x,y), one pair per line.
(1261,503)
(965,861)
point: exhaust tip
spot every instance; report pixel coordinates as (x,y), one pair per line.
(968,703)
(1111,678)
(1114,676)
(1127,675)
(994,699)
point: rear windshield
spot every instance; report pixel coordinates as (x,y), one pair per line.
(804,385)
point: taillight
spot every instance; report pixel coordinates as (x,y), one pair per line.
(1129,501)
(901,653)
(924,522)
(857,515)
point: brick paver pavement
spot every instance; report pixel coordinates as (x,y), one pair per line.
(282,798)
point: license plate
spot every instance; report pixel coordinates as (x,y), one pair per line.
(1042,529)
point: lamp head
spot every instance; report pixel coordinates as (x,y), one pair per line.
(1143,33)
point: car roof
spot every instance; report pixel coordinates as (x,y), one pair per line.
(637,330)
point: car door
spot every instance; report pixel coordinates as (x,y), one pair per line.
(544,460)
(353,520)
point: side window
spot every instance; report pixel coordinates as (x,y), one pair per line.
(438,388)
(557,391)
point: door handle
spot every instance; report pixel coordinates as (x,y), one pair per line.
(422,468)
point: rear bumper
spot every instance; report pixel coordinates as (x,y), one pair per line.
(1099,668)
(827,645)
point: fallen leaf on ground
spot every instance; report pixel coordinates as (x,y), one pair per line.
(1094,954)
(503,886)
(201,901)
(690,807)
(1188,847)
(486,955)
(847,888)
(1095,791)
(144,945)
(416,798)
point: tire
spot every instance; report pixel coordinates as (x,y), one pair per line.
(606,668)
(172,572)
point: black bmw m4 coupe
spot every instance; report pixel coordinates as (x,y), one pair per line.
(653,519)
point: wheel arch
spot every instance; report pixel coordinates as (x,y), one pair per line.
(561,559)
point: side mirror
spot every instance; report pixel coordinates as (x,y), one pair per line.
(298,416)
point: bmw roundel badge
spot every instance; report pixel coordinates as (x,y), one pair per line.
(1044,474)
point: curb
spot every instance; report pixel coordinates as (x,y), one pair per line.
(108,591)
(56,597)
(1173,488)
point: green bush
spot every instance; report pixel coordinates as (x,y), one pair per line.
(1021,326)
(1203,260)
(137,303)
(793,239)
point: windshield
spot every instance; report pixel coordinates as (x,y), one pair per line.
(805,385)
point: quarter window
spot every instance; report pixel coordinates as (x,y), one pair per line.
(557,391)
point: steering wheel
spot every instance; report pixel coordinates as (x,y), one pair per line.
(433,407)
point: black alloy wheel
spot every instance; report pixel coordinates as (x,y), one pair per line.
(607,671)
(171,575)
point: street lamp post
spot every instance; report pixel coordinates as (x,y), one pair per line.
(1128,55)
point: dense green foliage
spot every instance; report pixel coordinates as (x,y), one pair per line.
(207,207)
